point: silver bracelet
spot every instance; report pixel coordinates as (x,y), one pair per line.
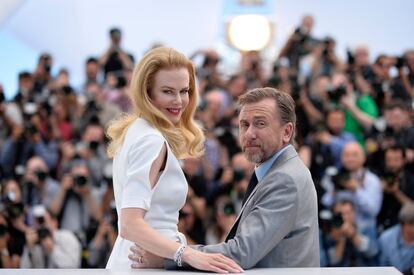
(178,256)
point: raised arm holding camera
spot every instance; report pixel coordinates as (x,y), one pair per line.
(358,184)
(344,241)
(50,247)
(74,203)
(398,185)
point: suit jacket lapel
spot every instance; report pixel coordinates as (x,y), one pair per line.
(285,156)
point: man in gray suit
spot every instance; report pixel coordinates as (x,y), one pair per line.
(278,223)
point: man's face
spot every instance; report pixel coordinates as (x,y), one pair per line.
(261,133)
(336,122)
(408,232)
(348,212)
(26,84)
(396,118)
(394,160)
(92,69)
(353,157)
(361,56)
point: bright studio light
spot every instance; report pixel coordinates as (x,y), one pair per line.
(249,32)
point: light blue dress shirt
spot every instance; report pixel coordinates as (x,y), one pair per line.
(262,169)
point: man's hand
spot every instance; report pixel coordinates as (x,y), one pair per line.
(144,259)
(48,244)
(352,185)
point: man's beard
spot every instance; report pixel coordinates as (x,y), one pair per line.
(256,157)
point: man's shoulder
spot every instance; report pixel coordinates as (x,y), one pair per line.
(389,236)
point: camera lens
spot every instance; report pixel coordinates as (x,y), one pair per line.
(80,180)
(41,175)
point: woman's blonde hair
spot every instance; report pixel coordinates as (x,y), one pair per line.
(186,138)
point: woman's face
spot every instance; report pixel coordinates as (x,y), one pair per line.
(170,92)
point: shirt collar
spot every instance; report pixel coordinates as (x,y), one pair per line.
(262,169)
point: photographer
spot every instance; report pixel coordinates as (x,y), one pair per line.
(382,81)
(92,72)
(25,92)
(10,115)
(344,242)
(25,142)
(396,243)
(92,150)
(42,75)
(197,185)
(233,181)
(5,259)
(333,138)
(191,225)
(252,69)
(360,186)
(208,74)
(115,59)
(15,215)
(299,43)
(98,106)
(361,110)
(75,204)
(323,59)
(404,83)
(101,244)
(224,218)
(398,185)
(50,247)
(38,187)
(399,128)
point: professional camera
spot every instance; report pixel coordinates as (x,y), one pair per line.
(329,220)
(350,57)
(238,175)
(400,62)
(228,209)
(80,180)
(30,130)
(225,207)
(41,175)
(339,177)
(43,233)
(335,95)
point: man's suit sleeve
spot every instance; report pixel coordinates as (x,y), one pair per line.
(270,220)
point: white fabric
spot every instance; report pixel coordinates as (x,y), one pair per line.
(132,187)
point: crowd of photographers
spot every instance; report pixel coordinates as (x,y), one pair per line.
(355,133)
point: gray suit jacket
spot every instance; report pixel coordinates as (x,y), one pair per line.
(279,222)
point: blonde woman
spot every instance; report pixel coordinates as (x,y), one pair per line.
(149,185)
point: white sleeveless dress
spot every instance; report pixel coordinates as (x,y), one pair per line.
(132,189)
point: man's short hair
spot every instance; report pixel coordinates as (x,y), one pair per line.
(24,74)
(114,31)
(284,103)
(91,60)
(396,147)
(406,214)
(397,104)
